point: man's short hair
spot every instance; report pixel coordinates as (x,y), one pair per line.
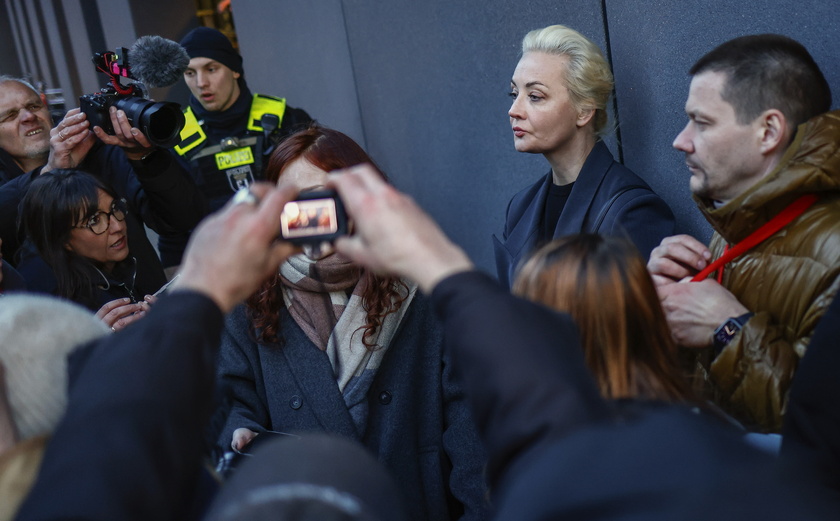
(6,78)
(768,71)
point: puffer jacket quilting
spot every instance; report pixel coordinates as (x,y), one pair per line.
(789,280)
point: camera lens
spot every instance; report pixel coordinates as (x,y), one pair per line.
(160,122)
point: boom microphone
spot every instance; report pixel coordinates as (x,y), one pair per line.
(156,61)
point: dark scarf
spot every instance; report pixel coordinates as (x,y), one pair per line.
(220,124)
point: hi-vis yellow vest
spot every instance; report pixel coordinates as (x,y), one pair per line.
(192,135)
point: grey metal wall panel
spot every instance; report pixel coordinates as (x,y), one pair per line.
(10,62)
(298,50)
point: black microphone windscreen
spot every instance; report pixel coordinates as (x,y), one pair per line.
(156,61)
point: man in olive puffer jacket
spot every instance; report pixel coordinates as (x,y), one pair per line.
(764,154)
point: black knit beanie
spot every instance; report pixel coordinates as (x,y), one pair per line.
(206,42)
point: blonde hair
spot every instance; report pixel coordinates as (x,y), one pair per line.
(588,75)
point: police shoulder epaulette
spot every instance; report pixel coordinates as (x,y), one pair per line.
(192,134)
(262,104)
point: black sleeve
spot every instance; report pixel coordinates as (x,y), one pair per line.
(644,219)
(11,195)
(293,121)
(158,189)
(810,434)
(129,446)
(521,364)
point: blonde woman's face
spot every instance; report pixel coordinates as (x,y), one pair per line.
(542,116)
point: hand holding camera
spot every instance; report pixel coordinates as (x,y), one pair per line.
(131,139)
(70,141)
(313,218)
(154,61)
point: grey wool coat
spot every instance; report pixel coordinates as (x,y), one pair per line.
(419,424)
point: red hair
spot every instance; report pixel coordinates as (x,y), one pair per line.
(603,283)
(328,150)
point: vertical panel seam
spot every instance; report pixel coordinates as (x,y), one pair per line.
(67,48)
(615,89)
(14,25)
(353,74)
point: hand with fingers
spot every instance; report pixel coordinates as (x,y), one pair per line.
(676,258)
(70,141)
(121,312)
(695,309)
(129,138)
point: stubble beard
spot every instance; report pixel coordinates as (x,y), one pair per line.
(37,151)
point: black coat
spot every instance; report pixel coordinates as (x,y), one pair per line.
(811,429)
(130,444)
(8,168)
(607,198)
(12,281)
(419,425)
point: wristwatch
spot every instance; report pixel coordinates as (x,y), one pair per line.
(727,331)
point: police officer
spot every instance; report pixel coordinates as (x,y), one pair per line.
(229,131)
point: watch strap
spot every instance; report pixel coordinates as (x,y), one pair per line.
(727,331)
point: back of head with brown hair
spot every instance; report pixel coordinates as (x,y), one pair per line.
(602,282)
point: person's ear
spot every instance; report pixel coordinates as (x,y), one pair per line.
(773,131)
(584,117)
(236,75)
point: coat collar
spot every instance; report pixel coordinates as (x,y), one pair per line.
(524,235)
(811,164)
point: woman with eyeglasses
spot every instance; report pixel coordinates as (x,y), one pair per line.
(79,227)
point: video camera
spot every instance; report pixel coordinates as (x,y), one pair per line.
(160,122)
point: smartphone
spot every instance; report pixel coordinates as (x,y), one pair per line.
(314,217)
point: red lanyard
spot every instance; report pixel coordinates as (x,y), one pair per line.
(791,212)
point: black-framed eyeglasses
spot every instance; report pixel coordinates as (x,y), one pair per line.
(100,221)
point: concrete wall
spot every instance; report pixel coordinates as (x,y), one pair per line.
(423,85)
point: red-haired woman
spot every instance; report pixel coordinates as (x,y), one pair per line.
(328,346)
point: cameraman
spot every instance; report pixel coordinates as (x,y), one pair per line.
(229,131)
(159,192)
